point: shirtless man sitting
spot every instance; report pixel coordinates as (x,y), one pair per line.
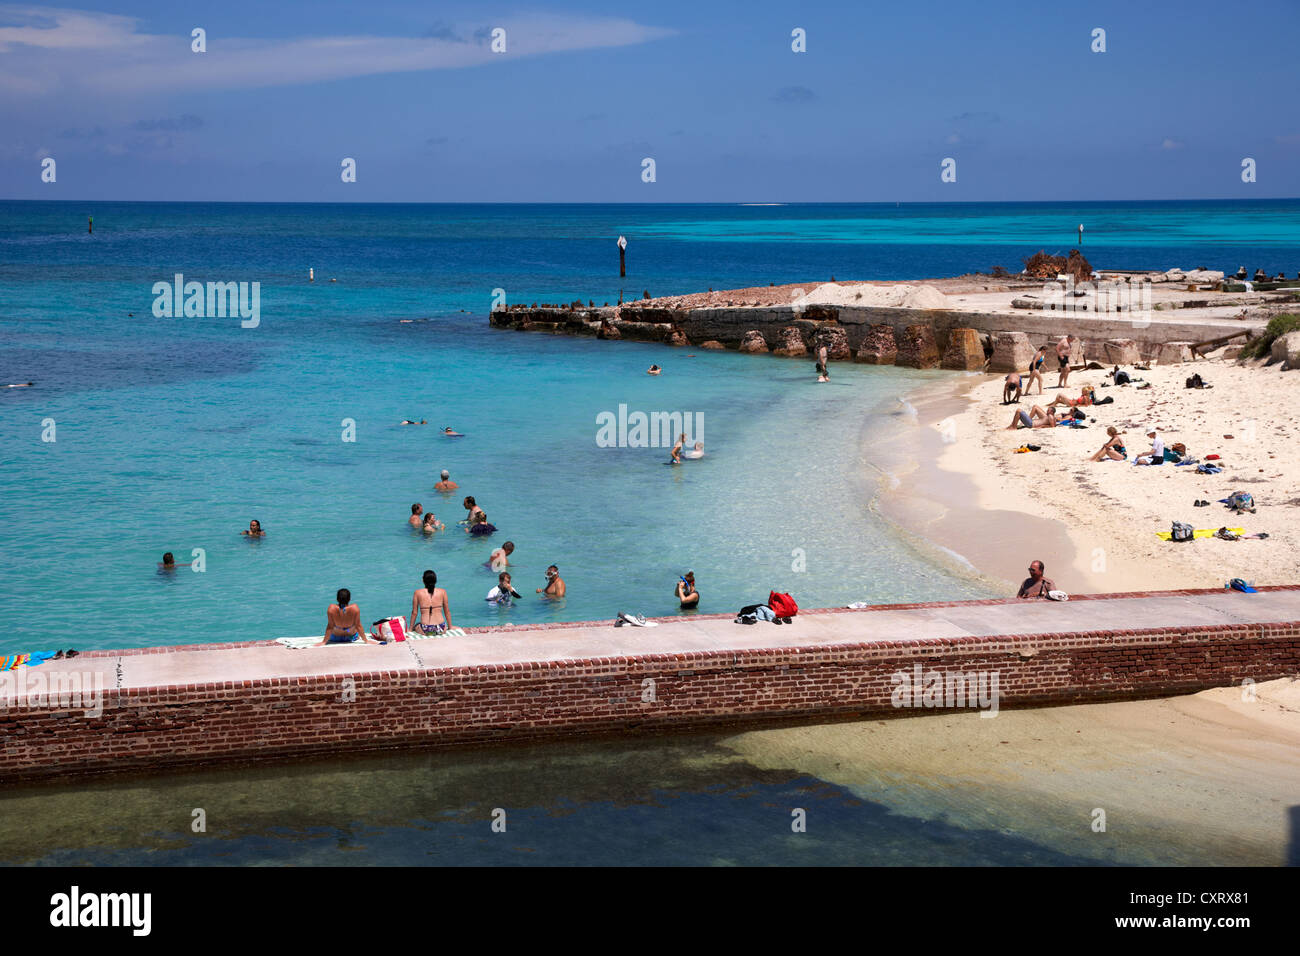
(1035,587)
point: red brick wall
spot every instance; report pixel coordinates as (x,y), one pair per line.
(155,727)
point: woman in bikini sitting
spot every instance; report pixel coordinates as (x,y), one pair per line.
(344,622)
(430,613)
(1114,447)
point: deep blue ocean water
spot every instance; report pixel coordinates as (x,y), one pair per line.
(170,433)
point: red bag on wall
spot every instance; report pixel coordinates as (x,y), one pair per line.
(782,605)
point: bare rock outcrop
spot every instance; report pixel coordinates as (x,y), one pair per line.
(753,341)
(1286,348)
(965,351)
(712,344)
(879,346)
(677,337)
(608,330)
(917,348)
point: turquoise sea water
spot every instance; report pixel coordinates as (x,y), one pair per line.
(171,433)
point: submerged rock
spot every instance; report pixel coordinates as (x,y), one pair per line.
(712,344)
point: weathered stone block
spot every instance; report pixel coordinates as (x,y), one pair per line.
(608,330)
(1012,352)
(1286,348)
(678,337)
(836,341)
(964,352)
(790,343)
(917,348)
(1173,353)
(1122,352)
(879,346)
(753,341)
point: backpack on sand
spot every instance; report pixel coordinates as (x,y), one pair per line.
(1181,531)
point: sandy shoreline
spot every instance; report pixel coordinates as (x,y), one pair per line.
(1094,524)
(1206,779)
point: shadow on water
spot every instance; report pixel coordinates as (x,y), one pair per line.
(618,802)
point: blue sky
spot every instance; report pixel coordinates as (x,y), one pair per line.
(711,91)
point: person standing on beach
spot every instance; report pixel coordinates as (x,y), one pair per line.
(822,374)
(1035,587)
(1063,359)
(1036,369)
(430,611)
(446,484)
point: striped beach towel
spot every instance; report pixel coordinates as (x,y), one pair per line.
(297,643)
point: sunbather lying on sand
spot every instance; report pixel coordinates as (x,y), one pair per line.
(1036,417)
(1086,397)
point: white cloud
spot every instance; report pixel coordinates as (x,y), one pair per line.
(1172,143)
(43,49)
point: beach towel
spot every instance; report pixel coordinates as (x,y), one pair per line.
(1208,469)
(9,662)
(297,643)
(1200,533)
(636,620)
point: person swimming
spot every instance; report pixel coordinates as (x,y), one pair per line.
(471,506)
(503,594)
(407,421)
(653,370)
(481,526)
(554,584)
(254,530)
(417,515)
(697,452)
(169,564)
(452,434)
(431,524)
(685,591)
(500,558)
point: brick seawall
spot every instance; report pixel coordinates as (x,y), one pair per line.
(164,707)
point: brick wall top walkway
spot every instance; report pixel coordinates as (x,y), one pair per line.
(1168,611)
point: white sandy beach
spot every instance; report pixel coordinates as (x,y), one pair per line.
(1111,510)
